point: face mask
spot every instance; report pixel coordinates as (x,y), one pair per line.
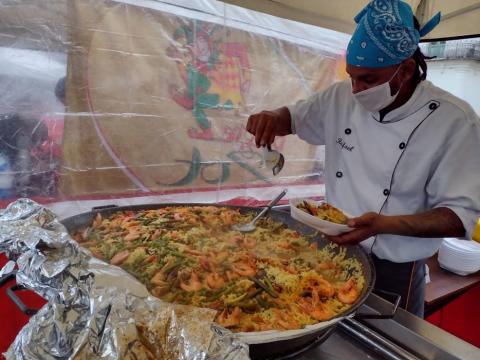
(378,97)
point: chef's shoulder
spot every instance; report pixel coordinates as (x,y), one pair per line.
(452,107)
(323,102)
(338,91)
(331,98)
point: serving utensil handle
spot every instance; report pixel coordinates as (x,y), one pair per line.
(270,205)
(396,302)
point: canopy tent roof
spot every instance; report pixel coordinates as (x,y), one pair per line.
(47,29)
(460,17)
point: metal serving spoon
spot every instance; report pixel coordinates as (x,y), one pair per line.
(251,225)
(273,159)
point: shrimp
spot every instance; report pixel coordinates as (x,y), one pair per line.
(151,259)
(285,320)
(193,284)
(132,235)
(236,240)
(321,313)
(315,308)
(220,257)
(291,269)
(325,288)
(119,258)
(192,221)
(259,324)
(175,235)
(227,218)
(160,290)
(326,265)
(209,209)
(231,275)
(158,279)
(156,234)
(247,258)
(98,221)
(227,319)
(193,252)
(249,242)
(244,269)
(85,234)
(319,284)
(178,217)
(284,244)
(207,264)
(214,281)
(268,261)
(204,263)
(348,293)
(126,223)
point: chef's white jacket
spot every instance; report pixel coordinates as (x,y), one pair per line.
(423,155)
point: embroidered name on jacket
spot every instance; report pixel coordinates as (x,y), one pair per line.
(344,145)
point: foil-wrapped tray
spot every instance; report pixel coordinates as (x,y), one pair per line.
(95,310)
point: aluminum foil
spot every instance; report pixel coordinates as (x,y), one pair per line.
(95,310)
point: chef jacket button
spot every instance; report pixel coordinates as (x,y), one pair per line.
(402,145)
(433,106)
(339,174)
(348,131)
(386,192)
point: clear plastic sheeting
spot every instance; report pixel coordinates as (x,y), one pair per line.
(96,310)
(124,99)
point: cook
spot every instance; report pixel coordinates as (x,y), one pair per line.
(400,154)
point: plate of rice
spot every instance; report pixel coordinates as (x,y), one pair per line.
(320,215)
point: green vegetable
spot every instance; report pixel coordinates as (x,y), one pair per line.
(262,302)
(254,293)
(267,286)
(237,299)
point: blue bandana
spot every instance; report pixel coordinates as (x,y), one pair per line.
(385,34)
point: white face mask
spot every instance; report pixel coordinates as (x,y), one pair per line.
(378,97)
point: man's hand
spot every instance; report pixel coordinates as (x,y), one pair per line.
(365,226)
(435,223)
(268,124)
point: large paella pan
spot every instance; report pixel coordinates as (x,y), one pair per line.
(281,284)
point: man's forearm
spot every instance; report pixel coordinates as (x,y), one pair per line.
(439,222)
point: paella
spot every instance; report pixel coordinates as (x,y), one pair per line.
(273,278)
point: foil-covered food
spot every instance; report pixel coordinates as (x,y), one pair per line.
(95,310)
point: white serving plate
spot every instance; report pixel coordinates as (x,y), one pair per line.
(326,227)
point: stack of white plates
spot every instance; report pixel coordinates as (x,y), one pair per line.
(459,256)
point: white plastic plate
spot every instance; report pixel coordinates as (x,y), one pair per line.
(326,227)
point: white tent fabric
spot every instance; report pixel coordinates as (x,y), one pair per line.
(460,17)
(331,42)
